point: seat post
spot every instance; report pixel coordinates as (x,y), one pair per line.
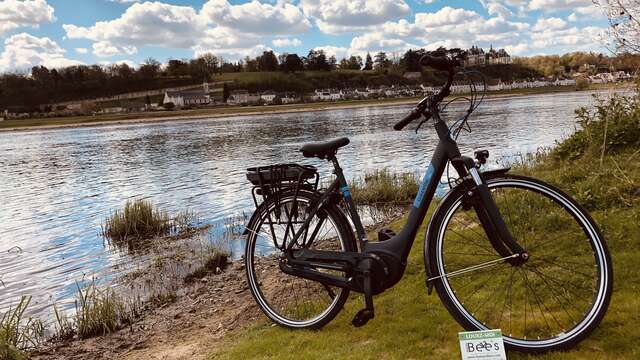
(351,206)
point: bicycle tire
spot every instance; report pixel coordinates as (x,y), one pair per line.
(347,243)
(465,313)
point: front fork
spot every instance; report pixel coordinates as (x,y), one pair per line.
(489,215)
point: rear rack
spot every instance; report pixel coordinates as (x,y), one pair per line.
(271,179)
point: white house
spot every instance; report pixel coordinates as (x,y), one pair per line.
(327,95)
(268,97)
(187,98)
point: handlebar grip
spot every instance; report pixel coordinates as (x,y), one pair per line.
(439,63)
(414,114)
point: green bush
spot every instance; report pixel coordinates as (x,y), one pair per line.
(382,186)
(612,125)
(18,332)
(97,311)
(138,220)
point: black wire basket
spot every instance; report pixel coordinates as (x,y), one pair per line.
(271,180)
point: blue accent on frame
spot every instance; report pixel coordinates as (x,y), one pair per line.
(423,187)
(345,191)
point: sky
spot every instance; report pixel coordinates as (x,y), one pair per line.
(57,33)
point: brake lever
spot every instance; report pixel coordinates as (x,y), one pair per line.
(420,124)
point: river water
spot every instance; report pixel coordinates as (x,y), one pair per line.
(57,186)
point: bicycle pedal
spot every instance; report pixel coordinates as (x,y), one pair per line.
(385,234)
(362,317)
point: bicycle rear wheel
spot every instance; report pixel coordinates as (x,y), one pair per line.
(289,300)
(550,302)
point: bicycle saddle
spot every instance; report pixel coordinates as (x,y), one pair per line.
(324,150)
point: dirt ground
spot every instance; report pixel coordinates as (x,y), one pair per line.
(184,329)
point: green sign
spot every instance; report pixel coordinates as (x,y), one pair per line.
(482,345)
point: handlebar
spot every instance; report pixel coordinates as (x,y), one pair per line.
(438,63)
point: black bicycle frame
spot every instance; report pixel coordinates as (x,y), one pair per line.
(395,250)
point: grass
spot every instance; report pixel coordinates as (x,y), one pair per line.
(214,262)
(384,187)
(18,332)
(97,311)
(140,220)
(410,324)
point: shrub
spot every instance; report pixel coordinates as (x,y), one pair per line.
(97,311)
(138,220)
(18,332)
(382,186)
(214,262)
(613,125)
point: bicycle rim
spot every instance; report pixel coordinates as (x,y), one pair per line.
(552,299)
(289,300)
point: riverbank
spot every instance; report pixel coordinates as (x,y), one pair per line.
(410,324)
(227,111)
(605,181)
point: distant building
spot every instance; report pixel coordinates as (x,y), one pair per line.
(327,95)
(268,97)
(477,57)
(187,98)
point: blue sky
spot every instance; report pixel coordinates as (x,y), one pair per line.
(65,32)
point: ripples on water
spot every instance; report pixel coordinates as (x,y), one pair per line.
(57,186)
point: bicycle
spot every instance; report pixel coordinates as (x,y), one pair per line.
(502,251)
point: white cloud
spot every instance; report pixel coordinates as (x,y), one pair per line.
(82,50)
(257,18)
(337,16)
(30,13)
(284,42)
(566,39)
(445,16)
(376,41)
(337,51)
(107,49)
(495,8)
(149,23)
(551,5)
(549,24)
(229,43)
(118,62)
(23,51)
(591,12)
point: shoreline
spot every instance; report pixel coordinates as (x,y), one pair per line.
(144,118)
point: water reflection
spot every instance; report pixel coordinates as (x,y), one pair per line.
(58,185)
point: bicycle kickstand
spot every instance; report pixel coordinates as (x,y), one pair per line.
(363,316)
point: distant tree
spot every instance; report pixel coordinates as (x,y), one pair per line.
(149,69)
(317,60)
(250,65)
(381,61)
(177,68)
(225,92)
(147,100)
(351,63)
(368,63)
(332,62)
(267,61)
(624,21)
(169,106)
(292,63)
(410,61)
(210,63)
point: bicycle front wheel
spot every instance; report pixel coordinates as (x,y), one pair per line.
(551,301)
(288,300)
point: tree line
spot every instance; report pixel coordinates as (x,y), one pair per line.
(26,91)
